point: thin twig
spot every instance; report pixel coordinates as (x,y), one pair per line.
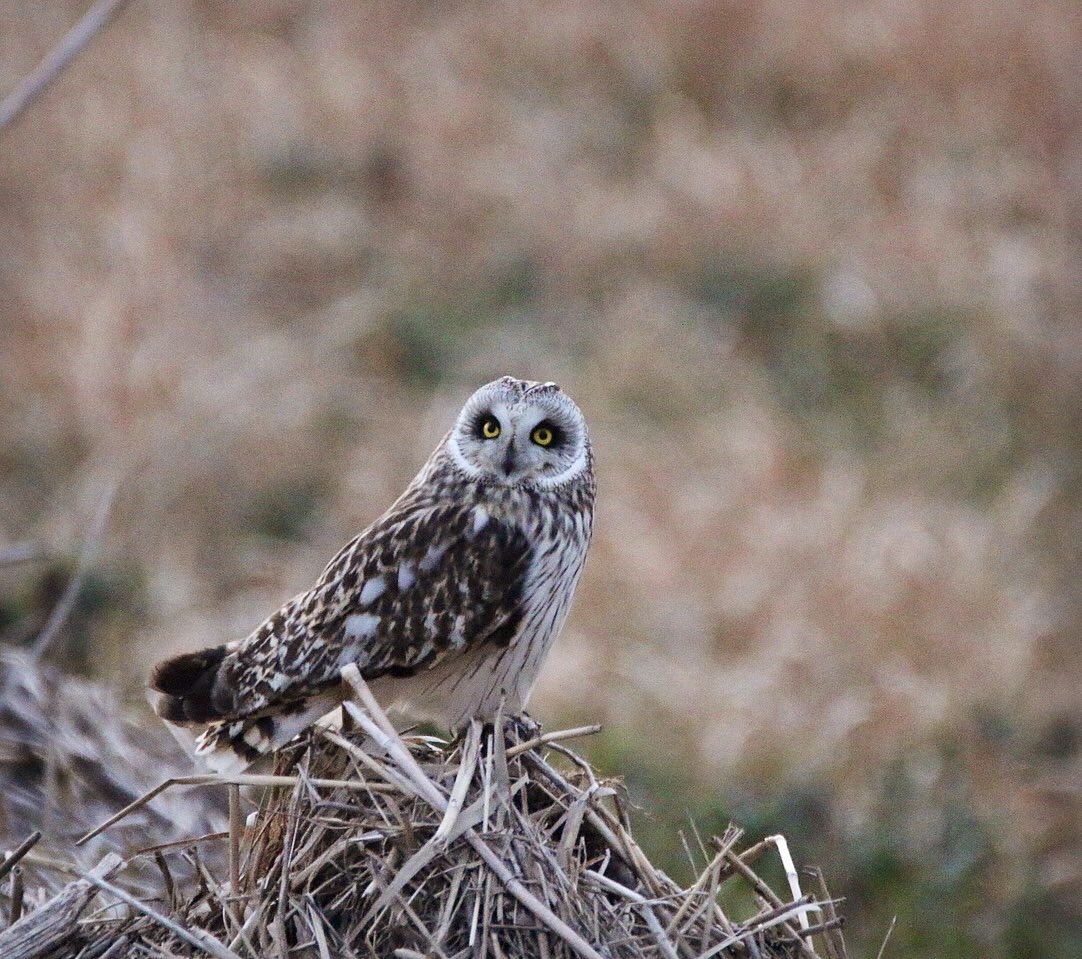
(216,779)
(387,736)
(832,931)
(236,830)
(886,938)
(15,909)
(180,843)
(199,938)
(558,735)
(9,862)
(58,59)
(821,927)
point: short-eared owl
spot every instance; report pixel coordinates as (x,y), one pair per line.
(447,603)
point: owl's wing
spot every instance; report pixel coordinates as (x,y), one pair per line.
(418,585)
(442,580)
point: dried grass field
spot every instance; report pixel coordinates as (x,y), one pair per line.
(811,269)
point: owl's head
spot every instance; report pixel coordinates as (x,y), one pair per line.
(517,432)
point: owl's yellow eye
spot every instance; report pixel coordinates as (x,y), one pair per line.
(490,428)
(542,436)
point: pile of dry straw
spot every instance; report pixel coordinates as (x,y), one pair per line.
(367,843)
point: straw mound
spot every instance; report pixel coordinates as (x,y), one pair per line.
(503,844)
(69,757)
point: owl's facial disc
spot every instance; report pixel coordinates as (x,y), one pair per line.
(515,432)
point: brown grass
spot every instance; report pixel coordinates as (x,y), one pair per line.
(70,756)
(809,268)
(504,843)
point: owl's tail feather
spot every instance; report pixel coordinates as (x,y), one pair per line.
(188,687)
(189,694)
(232,746)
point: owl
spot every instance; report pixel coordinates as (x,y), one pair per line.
(447,604)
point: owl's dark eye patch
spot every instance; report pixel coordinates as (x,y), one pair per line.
(486,427)
(547,434)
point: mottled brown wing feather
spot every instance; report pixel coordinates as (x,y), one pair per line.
(469,593)
(416,585)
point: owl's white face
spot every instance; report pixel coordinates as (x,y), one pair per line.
(518,432)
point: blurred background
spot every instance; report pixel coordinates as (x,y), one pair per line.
(810,268)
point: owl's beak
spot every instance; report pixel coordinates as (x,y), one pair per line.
(509,460)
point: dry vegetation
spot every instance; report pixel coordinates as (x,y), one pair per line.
(504,843)
(69,759)
(811,270)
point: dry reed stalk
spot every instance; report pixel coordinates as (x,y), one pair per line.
(366,842)
(58,59)
(69,756)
